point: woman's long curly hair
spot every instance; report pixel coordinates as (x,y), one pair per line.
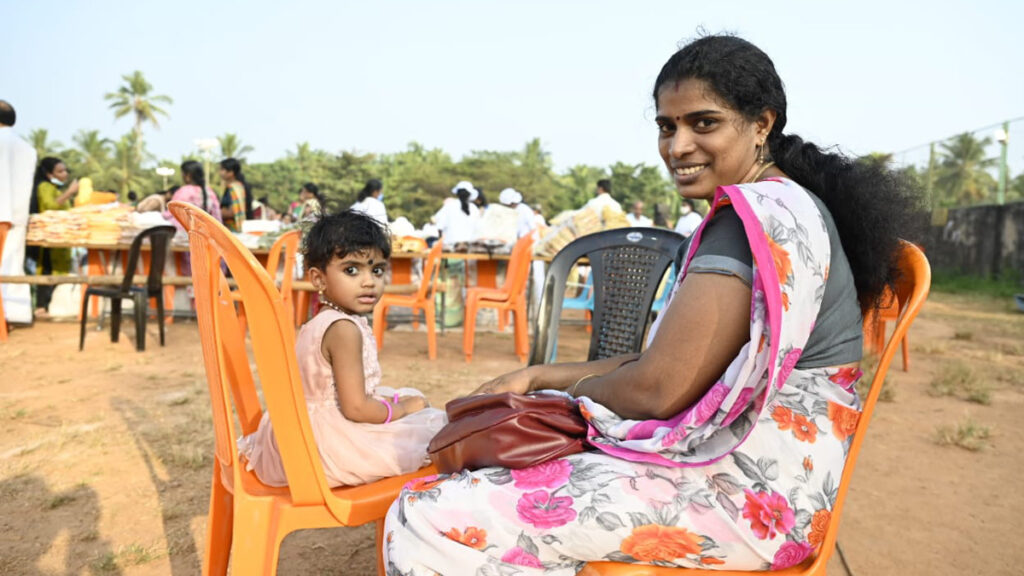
(871,205)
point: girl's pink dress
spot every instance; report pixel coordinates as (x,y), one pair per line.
(352,452)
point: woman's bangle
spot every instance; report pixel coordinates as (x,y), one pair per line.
(572,391)
(388,406)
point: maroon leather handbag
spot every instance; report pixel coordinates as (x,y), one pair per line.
(507,430)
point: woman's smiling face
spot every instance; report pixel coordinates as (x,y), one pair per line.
(705,143)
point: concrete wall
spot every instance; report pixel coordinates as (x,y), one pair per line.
(985,241)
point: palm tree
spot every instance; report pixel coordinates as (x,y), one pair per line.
(40,139)
(95,152)
(231,146)
(127,164)
(962,169)
(134,98)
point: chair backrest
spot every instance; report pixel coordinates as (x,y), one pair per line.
(911,291)
(518,271)
(273,345)
(289,244)
(627,265)
(159,243)
(431,268)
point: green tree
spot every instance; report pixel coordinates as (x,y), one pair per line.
(40,139)
(96,161)
(134,97)
(231,146)
(962,175)
(127,173)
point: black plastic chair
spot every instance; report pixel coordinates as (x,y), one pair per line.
(627,265)
(159,243)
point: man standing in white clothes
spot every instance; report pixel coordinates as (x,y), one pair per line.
(636,215)
(603,198)
(689,219)
(17,163)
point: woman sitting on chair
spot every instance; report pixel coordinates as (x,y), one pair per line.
(722,443)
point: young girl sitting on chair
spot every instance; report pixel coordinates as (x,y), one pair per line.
(364,431)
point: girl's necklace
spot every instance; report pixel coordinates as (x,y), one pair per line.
(329,304)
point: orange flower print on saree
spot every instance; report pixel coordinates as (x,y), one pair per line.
(783,265)
(666,543)
(473,537)
(783,417)
(844,420)
(819,524)
(804,429)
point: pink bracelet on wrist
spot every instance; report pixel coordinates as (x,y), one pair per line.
(395,399)
(388,406)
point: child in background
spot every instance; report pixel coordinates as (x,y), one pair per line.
(364,431)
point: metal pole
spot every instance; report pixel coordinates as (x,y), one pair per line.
(1004,145)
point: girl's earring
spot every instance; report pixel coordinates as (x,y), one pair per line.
(760,153)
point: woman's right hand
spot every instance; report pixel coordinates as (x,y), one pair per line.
(73,187)
(517,382)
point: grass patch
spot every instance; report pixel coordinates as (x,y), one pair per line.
(869,364)
(1003,287)
(59,500)
(960,381)
(130,555)
(966,434)
(963,335)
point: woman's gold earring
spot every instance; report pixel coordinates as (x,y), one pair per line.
(760,153)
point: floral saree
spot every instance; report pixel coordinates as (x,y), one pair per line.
(744,479)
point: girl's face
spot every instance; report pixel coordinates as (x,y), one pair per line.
(305,194)
(226,176)
(704,143)
(60,172)
(354,283)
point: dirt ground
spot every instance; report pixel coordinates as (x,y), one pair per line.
(105,454)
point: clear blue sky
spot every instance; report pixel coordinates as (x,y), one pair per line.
(489,75)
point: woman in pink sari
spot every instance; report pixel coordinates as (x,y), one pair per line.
(195,191)
(722,444)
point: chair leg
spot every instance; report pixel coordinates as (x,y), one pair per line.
(906,354)
(502,320)
(83,315)
(160,314)
(255,543)
(141,309)
(469,329)
(115,319)
(521,335)
(380,324)
(428,314)
(218,527)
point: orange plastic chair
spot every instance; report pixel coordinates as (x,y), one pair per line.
(911,292)
(875,326)
(511,296)
(423,299)
(248,519)
(4,227)
(289,243)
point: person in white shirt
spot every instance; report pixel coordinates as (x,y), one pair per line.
(17,165)
(603,198)
(636,216)
(457,219)
(689,219)
(371,201)
(514,199)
